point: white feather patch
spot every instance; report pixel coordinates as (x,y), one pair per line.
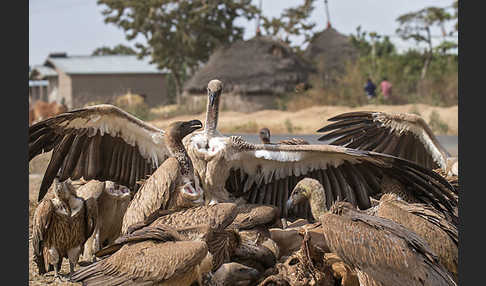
(279,155)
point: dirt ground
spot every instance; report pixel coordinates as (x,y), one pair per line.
(307,121)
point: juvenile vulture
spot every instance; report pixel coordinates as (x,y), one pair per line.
(221,242)
(403,135)
(112,201)
(441,235)
(61,225)
(228,167)
(385,252)
(173,185)
(150,256)
(264,134)
(229,274)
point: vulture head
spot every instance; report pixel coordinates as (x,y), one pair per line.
(265,135)
(180,129)
(63,192)
(232,273)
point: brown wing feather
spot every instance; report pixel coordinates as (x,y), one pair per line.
(40,223)
(148,260)
(91,215)
(154,194)
(388,252)
(81,147)
(351,175)
(396,126)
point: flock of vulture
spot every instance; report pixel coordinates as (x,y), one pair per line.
(182,206)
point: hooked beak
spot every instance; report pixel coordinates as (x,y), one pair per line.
(195,124)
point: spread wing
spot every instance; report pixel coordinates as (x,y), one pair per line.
(153,195)
(379,247)
(266,174)
(146,262)
(40,223)
(399,134)
(100,142)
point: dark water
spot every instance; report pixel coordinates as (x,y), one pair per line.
(448,141)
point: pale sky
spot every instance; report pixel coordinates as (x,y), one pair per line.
(77,27)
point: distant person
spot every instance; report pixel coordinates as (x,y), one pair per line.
(386,88)
(370,88)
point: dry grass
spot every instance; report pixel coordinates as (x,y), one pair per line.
(308,120)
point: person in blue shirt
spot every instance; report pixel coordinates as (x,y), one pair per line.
(370,88)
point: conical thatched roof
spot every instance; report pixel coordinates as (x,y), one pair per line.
(330,49)
(260,65)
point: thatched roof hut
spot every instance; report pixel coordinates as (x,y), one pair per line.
(329,50)
(254,68)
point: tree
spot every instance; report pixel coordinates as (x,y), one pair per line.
(292,22)
(417,25)
(179,34)
(117,50)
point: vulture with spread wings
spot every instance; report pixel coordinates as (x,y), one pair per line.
(113,145)
(403,135)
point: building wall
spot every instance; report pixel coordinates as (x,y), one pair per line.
(103,88)
(64,89)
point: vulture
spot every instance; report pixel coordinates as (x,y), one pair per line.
(404,135)
(441,235)
(229,274)
(381,251)
(61,225)
(149,256)
(173,185)
(112,201)
(264,134)
(221,242)
(228,167)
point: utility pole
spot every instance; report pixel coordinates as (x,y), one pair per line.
(258,32)
(327,14)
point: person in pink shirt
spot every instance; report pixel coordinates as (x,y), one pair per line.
(386,86)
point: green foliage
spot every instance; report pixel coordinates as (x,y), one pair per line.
(289,126)
(180,35)
(292,21)
(116,50)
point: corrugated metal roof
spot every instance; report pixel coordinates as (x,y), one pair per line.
(44,71)
(107,64)
(38,83)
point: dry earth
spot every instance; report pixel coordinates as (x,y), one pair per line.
(307,121)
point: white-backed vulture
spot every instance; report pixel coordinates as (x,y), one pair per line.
(230,167)
(221,242)
(112,200)
(404,135)
(150,256)
(173,185)
(385,251)
(230,274)
(441,235)
(61,225)
(264,135)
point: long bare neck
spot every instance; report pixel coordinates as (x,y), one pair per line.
(317,201)
(212,117)
(178,151)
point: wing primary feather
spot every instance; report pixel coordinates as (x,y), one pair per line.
(344,123)
(133,167)
(358,182)
(352,116)
(58,156)
(338,195)
(94,160)
(384,143)
(327,188)
(114,160)
(72,157)
(127,166)
(348,193)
